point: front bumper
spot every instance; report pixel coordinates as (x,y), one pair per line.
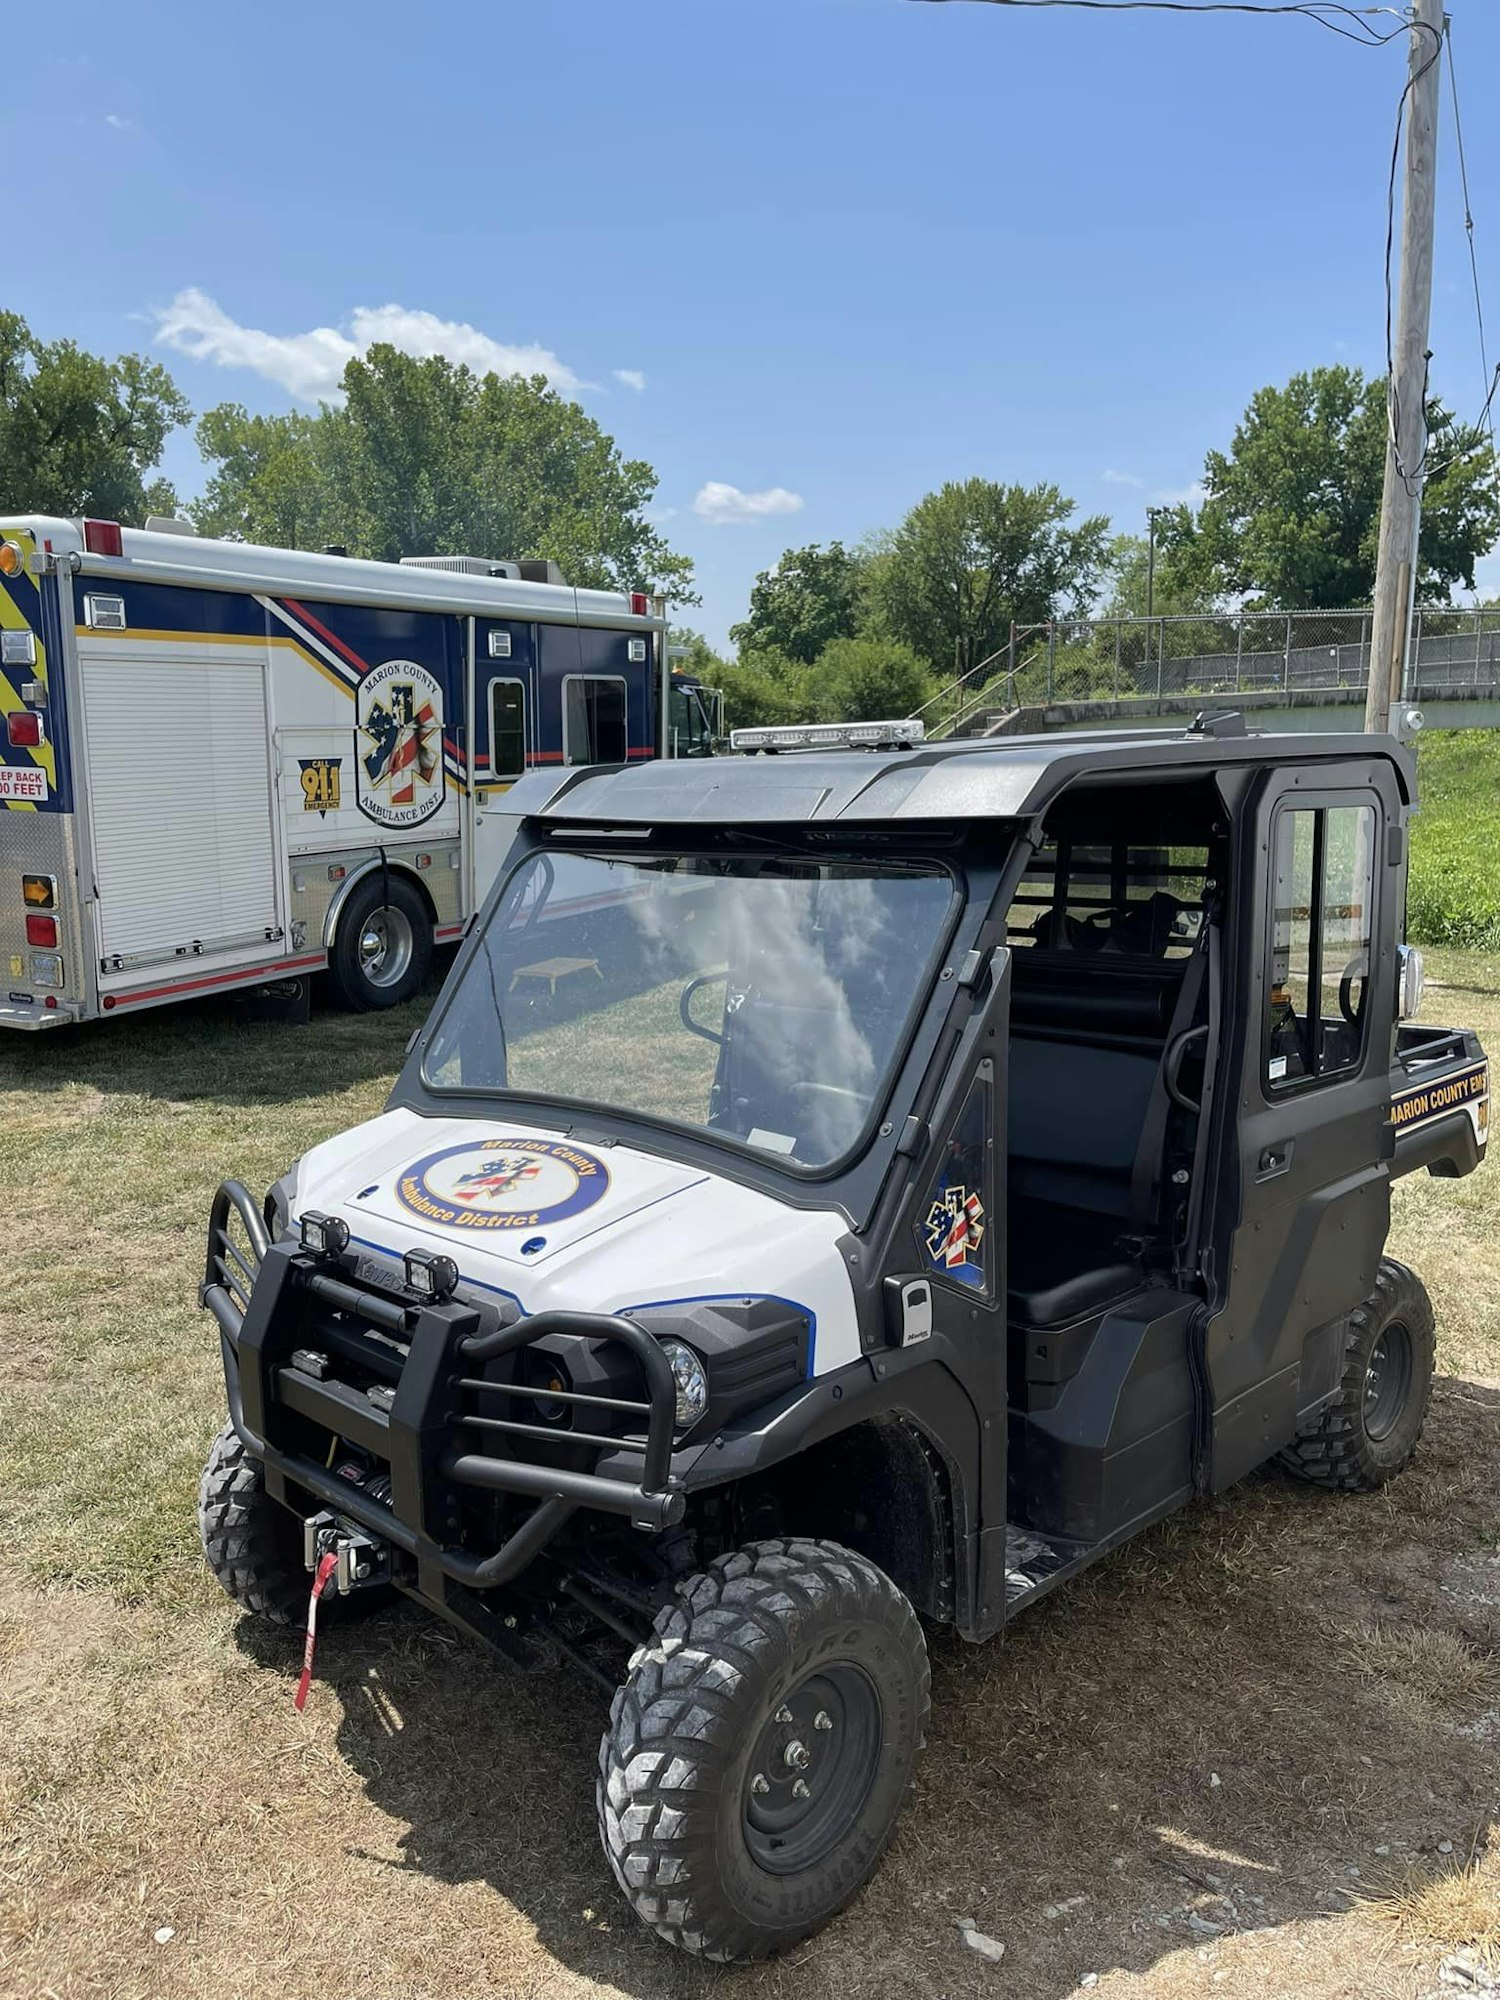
(277,1305)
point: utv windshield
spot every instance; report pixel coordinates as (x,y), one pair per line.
(762,999)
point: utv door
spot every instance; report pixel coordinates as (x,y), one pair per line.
(942,1260)
(1304,1199)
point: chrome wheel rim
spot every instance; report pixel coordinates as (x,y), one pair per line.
(1387,1381)
(386,945)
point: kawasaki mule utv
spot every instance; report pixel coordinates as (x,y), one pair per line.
(836,1190)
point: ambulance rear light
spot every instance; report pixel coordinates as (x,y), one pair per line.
(103,538)
(638,604)
(42,931)
(39,892)
(12,559)
(23,729)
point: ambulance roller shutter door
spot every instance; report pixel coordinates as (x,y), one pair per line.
(180,795)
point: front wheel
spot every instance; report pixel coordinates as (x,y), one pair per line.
(1370,1430)
(760,1750)
(382,948)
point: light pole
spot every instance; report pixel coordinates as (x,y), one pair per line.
(1151,518)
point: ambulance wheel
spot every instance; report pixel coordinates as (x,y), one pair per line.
(762,1746)
(383,946)
(253,1544)
(1370,1431)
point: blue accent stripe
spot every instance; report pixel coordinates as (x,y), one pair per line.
(646,1305)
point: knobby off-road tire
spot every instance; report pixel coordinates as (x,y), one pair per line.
(787,1661)
(382,949)
(253,1544)
(1369,1432)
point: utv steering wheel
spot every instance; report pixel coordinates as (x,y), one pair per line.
(685,1006)
(1357,968)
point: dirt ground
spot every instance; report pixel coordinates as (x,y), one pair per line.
(1255,1753)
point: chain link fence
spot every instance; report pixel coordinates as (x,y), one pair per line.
(1120,659)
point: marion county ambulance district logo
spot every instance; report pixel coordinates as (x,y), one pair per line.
(503,1184)
(399,744)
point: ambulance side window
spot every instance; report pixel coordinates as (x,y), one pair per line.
(507,729)
(1318,978)
(593,720)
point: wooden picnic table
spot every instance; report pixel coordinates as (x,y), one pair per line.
(553,969)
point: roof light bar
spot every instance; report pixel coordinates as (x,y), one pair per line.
(827,735)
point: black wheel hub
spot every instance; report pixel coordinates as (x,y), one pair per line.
(1387,1381)
(812,1768)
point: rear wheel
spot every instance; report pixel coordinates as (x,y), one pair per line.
(1369,1432)
(762,1747)
(382,948)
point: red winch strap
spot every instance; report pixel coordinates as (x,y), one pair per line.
(326,1566)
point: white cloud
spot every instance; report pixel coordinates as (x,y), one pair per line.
(1113,478)
(725,506)
(311,365)
(632,378)
(1191,495)
(118,124)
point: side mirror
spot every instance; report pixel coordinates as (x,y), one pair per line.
(1410,980)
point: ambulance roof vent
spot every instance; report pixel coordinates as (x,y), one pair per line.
(464,565)
(168,524)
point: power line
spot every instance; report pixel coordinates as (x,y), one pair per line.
(1486,416)
(1350,22)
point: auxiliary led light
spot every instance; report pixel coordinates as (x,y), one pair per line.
(324,1235)
(433,1277)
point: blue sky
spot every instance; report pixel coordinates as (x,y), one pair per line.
(808,257)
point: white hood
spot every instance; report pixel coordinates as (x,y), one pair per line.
(555,1223)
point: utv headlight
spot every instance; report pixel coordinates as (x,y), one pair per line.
(691,1378)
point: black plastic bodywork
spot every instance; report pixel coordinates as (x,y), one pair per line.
(1032,1425)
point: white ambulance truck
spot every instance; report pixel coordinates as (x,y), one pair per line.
(231,766)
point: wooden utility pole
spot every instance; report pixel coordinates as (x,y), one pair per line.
(1406,442)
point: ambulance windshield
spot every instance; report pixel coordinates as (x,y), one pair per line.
(764,999)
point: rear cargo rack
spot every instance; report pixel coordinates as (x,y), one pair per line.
(276,1301)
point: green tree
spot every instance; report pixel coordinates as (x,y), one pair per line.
(813,596)
(78,434)
(425,457)
(1292,512)
(869,680)
(972,557)
(1177,581)
(268,484)
(692,654)
(764,688)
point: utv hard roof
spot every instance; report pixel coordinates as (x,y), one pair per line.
(1013,777)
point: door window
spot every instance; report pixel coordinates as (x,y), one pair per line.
(507,729)
(1319,975)
(593,720)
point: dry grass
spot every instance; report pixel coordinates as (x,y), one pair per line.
(1451,1904)
(426,1829)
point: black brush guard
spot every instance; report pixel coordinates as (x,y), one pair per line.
(262,1303)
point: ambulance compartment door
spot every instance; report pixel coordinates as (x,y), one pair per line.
(181,795)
